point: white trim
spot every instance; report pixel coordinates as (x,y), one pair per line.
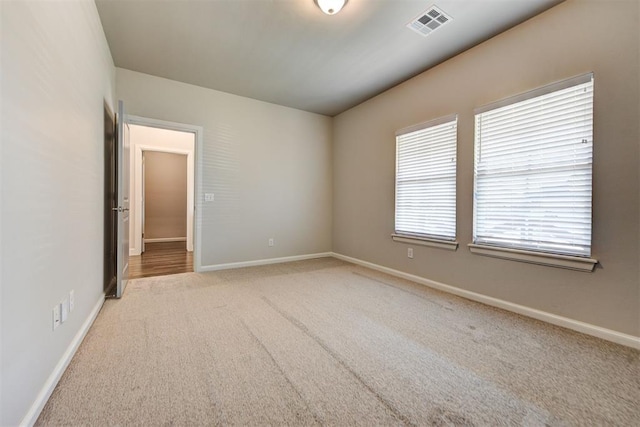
(425,241)
(216,267)
(197,176)
(565,322)
(166,239)
(531,257)
(34,411)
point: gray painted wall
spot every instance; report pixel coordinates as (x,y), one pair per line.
(269,167)
(165,208)
(572,38)
(56,73)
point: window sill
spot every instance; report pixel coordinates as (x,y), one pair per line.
(553,260)
(425,241)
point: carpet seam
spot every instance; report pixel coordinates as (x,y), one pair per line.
(286,377)
(302,327)
(422,297)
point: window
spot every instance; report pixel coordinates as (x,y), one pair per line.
(532,175)
(426,181)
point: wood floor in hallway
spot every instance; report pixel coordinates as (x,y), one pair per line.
(161,259)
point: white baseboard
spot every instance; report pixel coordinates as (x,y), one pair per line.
(34,411)
(133,252)
(166,239)
(576,325)
(230,265)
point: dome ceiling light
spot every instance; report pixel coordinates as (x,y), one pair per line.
(330,7)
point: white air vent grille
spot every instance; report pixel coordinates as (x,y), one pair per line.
(429,21)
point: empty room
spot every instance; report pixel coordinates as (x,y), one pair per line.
(390,212)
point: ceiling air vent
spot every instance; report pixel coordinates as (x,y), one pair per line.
(429,21)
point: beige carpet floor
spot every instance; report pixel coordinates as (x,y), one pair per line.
(326,342)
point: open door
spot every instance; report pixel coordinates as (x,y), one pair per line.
(122,167)
(110,202)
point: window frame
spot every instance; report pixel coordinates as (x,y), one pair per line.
(425,239)
(582,262)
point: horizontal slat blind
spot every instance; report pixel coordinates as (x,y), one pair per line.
(426,180)
(533,163)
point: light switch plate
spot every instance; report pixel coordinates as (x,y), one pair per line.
(64,310)
(56,316)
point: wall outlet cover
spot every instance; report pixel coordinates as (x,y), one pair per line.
(410,252)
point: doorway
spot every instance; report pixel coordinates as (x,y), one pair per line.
(164,216)
(163,202)
(164,198)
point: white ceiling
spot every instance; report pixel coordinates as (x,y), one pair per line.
(288,52)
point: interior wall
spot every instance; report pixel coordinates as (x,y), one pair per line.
(56,74)
(154,139)
(268,167)
(568,40)
(165,204)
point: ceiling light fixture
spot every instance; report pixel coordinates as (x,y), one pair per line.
(330,7)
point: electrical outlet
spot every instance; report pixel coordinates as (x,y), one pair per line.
(56,316)
(209,197)
(271,242)
(72,300)
(410,252)
(64,310)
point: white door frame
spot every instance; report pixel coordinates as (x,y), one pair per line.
(194,177)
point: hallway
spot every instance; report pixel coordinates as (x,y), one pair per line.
(161,259)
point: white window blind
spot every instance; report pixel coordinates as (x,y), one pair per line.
(426,179)
(533,163)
